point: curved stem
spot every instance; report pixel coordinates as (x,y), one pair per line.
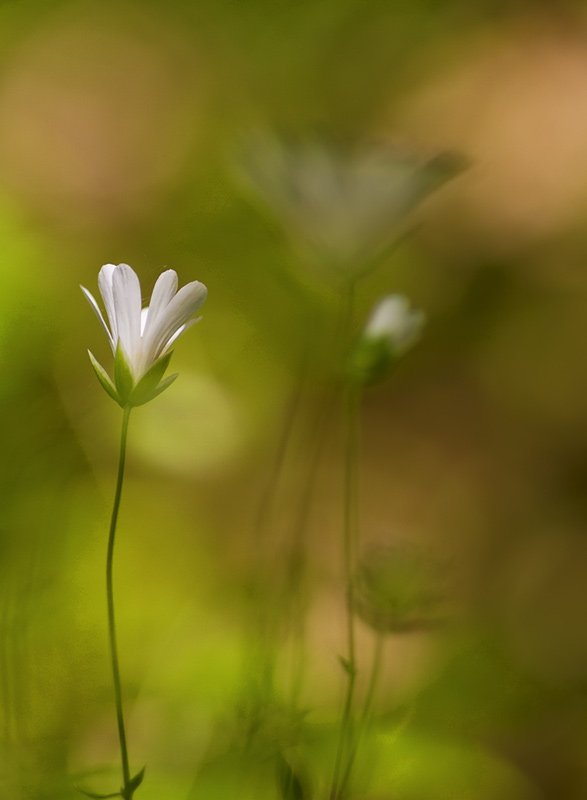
(127,791)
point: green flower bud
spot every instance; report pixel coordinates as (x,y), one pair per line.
(400,588)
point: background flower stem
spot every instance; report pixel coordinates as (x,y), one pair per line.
(367,706)
(128,791)
(351,401)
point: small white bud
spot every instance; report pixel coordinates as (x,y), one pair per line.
(394,321)
(391,330)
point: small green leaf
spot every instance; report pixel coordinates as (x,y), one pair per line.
(103,377)
(290,783)
(143,391)
(135,782)
(347,666)
(123,377)
(161,388)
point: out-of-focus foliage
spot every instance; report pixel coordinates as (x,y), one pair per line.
(118,129)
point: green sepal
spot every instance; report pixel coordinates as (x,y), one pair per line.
(146,388)
(157,391)
(123,377)
(370,361)
(104,378)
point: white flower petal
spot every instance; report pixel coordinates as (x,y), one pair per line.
(178,333)
(126,291)
(105,285)
(142,334)
(144,315)
(388,315)
(91,300)
(168,322)
(163,292)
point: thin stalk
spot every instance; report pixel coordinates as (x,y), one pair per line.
(260,664)
(297,556)
(6,662)
(127,791)
(349,547)
(293,599)
(373,679)
(367,706)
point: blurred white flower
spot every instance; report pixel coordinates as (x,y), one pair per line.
(141,338)
(393,321)
(343,205)
(392,328)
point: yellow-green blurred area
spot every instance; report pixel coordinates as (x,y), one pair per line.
(120,127)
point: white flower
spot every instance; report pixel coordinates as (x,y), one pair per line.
(393,327)
(393,321)
(141,338)
(342,204)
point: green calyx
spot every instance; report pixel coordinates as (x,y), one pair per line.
(124,389)
(370,361)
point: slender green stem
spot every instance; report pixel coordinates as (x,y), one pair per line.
(5,662)
(349,546)
(259,666)
(367,706)
(294,584)
(373,679)
(127,790)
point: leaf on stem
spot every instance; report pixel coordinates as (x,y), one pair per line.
(136,781)
(348,667)
(290,783)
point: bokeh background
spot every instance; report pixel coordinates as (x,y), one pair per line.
(119,125)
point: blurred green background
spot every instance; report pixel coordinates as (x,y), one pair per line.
(118,127)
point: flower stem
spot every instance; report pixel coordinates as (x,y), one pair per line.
(127,790)
(349,545)
(367,706)
(296,561)
(373,679)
